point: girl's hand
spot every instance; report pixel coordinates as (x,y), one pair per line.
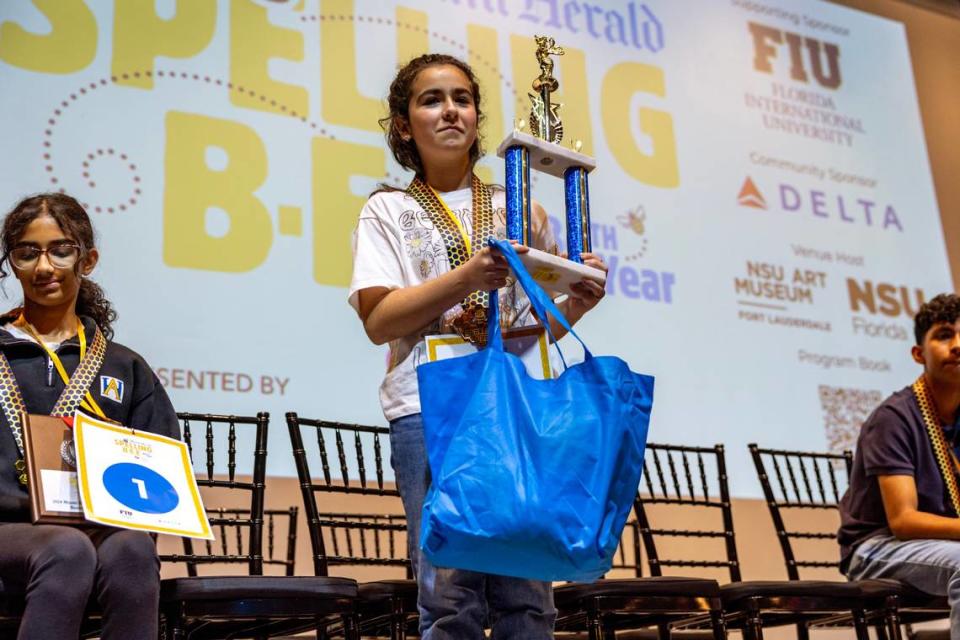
(485,271)
(519,248)
(587,293)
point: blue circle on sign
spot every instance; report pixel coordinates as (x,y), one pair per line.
(140,488)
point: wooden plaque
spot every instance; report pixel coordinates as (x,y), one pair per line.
(50,456)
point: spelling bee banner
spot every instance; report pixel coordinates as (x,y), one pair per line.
(762,197)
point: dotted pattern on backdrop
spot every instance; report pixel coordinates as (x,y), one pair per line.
(136,190)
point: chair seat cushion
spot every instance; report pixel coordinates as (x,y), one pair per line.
(237,587)
(653,586)
(736,591)
(384,589)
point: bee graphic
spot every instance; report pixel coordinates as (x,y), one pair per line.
(634,220)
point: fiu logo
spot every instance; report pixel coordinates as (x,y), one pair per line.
(768,41)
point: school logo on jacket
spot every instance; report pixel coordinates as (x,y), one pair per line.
(111,388)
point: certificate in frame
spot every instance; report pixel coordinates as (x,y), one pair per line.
(51,471)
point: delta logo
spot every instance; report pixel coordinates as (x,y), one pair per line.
(825,205)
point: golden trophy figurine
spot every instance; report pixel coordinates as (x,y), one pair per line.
(543,152)
(544,119)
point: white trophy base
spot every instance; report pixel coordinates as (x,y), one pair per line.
(556,274)
(547,157)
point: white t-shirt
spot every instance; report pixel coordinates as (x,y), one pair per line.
(395,245)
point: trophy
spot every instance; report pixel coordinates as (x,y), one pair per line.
(541,150)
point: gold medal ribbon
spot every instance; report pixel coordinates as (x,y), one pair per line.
(944,455)
(65,405)
(75,394)
(472,323)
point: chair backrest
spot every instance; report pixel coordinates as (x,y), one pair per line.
(232,540)
(694,478)
(802,481)
(216,433)
(351,462)
(628,556)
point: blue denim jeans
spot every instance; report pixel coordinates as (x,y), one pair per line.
(932,566)
(456,604)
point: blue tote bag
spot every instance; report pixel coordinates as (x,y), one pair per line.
(530,478)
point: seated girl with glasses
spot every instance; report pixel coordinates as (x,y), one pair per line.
(48,245)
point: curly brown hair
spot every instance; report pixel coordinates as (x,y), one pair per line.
(942,308)
(398,102)
(75,224)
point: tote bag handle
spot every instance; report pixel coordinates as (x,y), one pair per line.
(541,303)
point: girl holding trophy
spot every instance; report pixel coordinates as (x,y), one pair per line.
(421,266)
(48,245)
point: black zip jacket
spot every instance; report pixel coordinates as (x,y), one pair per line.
(143,402)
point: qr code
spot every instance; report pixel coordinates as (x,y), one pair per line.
(844,411)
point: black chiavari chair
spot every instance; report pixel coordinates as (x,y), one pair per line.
(693,481)
(796,483)
(805,482)
(289,560)
(696,477)
(253,605)
(628,557)
(609,606)
(232,540)
(351,462)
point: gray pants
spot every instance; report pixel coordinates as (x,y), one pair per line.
(58,568)
(932,566)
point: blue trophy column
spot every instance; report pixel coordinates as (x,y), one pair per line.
(518,194)
(577,197)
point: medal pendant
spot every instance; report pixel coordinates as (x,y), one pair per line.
(471,325)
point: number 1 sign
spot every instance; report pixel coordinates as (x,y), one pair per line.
(137,480)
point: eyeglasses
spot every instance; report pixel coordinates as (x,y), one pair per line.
(61,256)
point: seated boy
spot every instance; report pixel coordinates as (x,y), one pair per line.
(899,515)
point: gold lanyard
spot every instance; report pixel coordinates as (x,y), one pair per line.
(455,220)
(942,452)
(472,322)
(88,402)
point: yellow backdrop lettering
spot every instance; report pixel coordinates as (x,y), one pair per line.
(193,187)
(140,36)
(342,102)
(70,46)
(412,38)
(621,82)
(253,42)
(335,208)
